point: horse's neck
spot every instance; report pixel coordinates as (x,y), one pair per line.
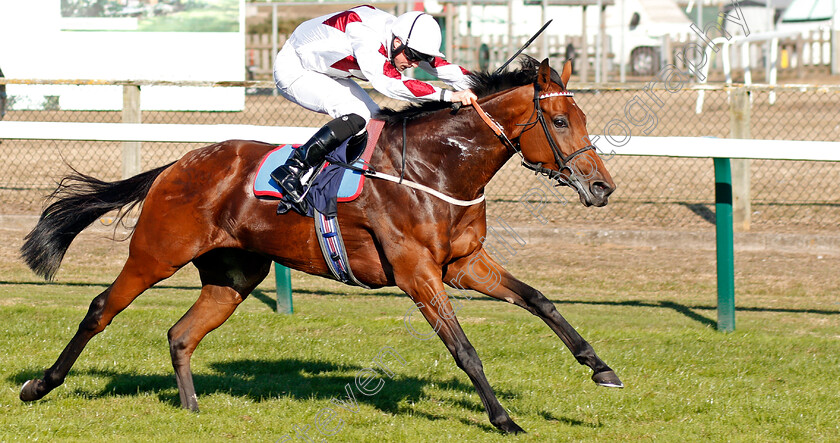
(484,154)
(457,155)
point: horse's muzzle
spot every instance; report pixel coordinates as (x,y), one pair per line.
(599,193)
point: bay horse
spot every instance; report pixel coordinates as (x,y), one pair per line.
(201,210)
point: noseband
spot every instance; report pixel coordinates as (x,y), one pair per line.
(561,160)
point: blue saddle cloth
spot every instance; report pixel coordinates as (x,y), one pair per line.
(334,183)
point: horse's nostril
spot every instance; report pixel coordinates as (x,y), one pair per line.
(601,189)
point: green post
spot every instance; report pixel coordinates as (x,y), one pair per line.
(283,279)
(725,248)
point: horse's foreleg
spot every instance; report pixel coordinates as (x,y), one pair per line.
(481,273)
(423,285)
(128,286)
(227,278)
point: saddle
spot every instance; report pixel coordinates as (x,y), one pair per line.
(335,183)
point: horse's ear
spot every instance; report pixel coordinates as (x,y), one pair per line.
(529,60)
(567,73)
(544,75)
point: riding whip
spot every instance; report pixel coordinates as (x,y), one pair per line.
(528,43)
(457,106)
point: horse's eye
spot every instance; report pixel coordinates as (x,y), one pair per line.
(561,122)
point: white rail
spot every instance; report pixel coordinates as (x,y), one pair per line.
(151,132)
(701,147)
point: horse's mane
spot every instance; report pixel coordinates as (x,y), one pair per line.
(482,84)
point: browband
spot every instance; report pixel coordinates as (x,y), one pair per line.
(558,94)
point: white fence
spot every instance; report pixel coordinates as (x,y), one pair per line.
(698,147)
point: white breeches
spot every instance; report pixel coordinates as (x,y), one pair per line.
(318,92)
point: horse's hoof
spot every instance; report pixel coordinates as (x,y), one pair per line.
(30,390)
(608,379)
(508,426)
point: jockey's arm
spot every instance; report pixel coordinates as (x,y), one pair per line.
(454,76)
(450,73)
(383,76)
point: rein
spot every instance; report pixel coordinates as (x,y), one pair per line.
(561,160)
(402,170)
(370,172)
(424,188)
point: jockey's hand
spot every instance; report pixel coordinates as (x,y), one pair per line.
(465,97)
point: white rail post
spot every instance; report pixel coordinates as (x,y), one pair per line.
(745,62)
(739,127)
(451,28)
(773,68)
(131,165)
(835,48)
(584,50)
(275,47)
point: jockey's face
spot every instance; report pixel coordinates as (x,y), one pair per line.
(401,62)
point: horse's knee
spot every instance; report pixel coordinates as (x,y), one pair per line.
(467,359)
(540,305)
(176,342)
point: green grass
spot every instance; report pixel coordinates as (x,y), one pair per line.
(261,374)
(223,16)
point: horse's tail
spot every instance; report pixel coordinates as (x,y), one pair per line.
(79,201)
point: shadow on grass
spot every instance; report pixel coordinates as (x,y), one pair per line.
(569,421)
(689,311)
(267,380)
(266,297)
(270,299)
(682,309)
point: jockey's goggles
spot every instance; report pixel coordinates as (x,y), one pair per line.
(414,56)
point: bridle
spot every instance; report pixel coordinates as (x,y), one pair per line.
(514,144)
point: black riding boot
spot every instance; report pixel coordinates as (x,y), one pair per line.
(304,158)
(356,146)
(311,154)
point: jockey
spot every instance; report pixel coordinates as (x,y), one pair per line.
(315,67)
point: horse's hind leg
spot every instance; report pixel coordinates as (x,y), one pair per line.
(481,273)
(227,277)
(135,277)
